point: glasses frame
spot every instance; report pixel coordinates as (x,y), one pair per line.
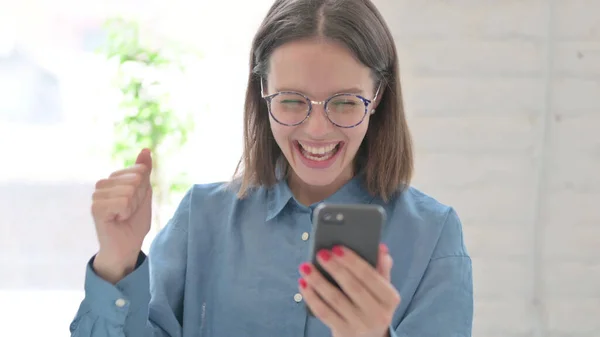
(269,99)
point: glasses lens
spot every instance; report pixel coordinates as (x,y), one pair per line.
(289,108)
(346,110)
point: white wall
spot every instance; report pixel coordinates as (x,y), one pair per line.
(504,104)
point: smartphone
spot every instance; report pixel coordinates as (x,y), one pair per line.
(354,226)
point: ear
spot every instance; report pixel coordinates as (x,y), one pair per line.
(377,97)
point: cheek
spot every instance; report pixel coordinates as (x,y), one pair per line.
(281,135)
(355,136)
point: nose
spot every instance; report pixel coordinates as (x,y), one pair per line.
(318,125)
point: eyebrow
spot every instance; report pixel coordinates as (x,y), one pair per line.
(353,90)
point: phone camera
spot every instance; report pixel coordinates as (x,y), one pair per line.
(333,217)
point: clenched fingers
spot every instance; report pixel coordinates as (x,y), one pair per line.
(141,169)
(132,179)
(119,208)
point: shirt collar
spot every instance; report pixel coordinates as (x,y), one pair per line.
(278,197)
(353,192)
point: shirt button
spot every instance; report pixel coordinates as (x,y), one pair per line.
(120,303)
(304,236)
(298,298)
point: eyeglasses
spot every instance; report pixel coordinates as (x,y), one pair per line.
(292,108)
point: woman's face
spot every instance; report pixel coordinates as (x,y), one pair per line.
(319,152)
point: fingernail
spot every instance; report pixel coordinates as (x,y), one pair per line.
(324,255)
(305,268)
(302,283)
(338,250)
(384,248)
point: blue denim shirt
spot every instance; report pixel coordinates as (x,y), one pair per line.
(225,267)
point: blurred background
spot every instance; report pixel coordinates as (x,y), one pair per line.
(503,99)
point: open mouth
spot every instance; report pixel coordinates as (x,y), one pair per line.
(318,153)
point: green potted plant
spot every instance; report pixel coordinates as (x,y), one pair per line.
(146,119)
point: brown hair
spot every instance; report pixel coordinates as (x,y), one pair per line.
(385,156)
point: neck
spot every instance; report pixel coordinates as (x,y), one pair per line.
(309,194)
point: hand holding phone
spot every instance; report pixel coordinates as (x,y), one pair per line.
(356,226)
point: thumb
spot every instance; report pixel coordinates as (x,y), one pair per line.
(385,262)
(145,158)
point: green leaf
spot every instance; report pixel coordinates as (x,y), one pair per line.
(146,118)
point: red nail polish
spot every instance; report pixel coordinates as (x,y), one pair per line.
(384,248)
(302,283)
(305,268)
(338,250)
(324,255)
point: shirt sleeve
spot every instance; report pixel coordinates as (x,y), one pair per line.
(147,302)
(443,302)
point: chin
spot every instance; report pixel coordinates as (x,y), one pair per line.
(312,178)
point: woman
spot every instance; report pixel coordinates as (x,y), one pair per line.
(323,122)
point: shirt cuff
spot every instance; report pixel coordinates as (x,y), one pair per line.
(115,302)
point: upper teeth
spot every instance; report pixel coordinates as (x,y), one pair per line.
(318,150)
